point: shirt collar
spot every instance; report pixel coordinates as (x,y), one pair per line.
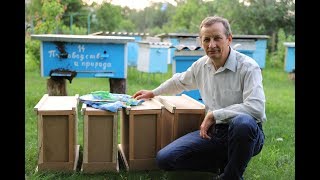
(231,62)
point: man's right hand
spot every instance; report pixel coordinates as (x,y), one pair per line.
(208,122)
(143,94)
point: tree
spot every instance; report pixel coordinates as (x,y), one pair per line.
(258,17)
(32,12)
(188,15)
(32,8)
(108,17)
(50,17)
(77,9)
(47,17)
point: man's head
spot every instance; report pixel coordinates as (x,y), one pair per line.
(216,37)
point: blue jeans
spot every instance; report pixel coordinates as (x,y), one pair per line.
(230,148)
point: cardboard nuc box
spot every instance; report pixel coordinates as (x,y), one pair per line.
(57,133)
(100,140)
(181,115)
(140,135)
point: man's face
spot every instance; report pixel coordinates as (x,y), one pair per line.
(214,41)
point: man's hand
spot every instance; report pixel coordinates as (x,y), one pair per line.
(143,94)
(206,124)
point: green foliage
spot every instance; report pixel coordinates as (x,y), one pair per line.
(259,17)
(277,57)
(50,18)
(32,54)
(33,10)
(79,11)
(75,30)
(238,17)
(156,30)
(108,18)
(126,26)
(188,16)
(152,17)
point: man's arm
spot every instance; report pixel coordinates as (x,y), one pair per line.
(178,83)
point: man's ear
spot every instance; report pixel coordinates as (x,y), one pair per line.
(230,39)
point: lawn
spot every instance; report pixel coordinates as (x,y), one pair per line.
(276,161)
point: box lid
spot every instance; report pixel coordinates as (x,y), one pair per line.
(185,102)
(149,104)
(87,110)
(57,103)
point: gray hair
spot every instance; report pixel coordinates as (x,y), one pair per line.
(208,21)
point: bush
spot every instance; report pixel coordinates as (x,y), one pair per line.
(277,57)
(75,30)
(32,54)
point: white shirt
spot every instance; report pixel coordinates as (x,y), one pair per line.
(236,88)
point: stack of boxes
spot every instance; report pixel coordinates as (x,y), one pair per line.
(144,130)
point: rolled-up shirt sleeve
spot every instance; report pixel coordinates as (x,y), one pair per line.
(178,83)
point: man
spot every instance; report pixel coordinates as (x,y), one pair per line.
(230,84)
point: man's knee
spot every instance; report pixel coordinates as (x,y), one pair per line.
(243,125)
(162,160)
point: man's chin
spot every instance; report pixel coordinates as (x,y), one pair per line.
(213,56)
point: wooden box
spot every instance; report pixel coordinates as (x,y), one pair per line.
(57,133)
(140,135)
(100,140)
(181,115)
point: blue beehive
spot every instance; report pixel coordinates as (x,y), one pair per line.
(83,55)
(133,47)
(153,57)
(183,58)
(133,50)
(254,46)
(289,63)
(178,39)
(245,46)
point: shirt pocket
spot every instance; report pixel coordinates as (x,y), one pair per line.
(232,97)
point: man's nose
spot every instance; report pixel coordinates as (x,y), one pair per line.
(212,43)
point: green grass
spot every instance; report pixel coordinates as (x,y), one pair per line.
(276,160)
